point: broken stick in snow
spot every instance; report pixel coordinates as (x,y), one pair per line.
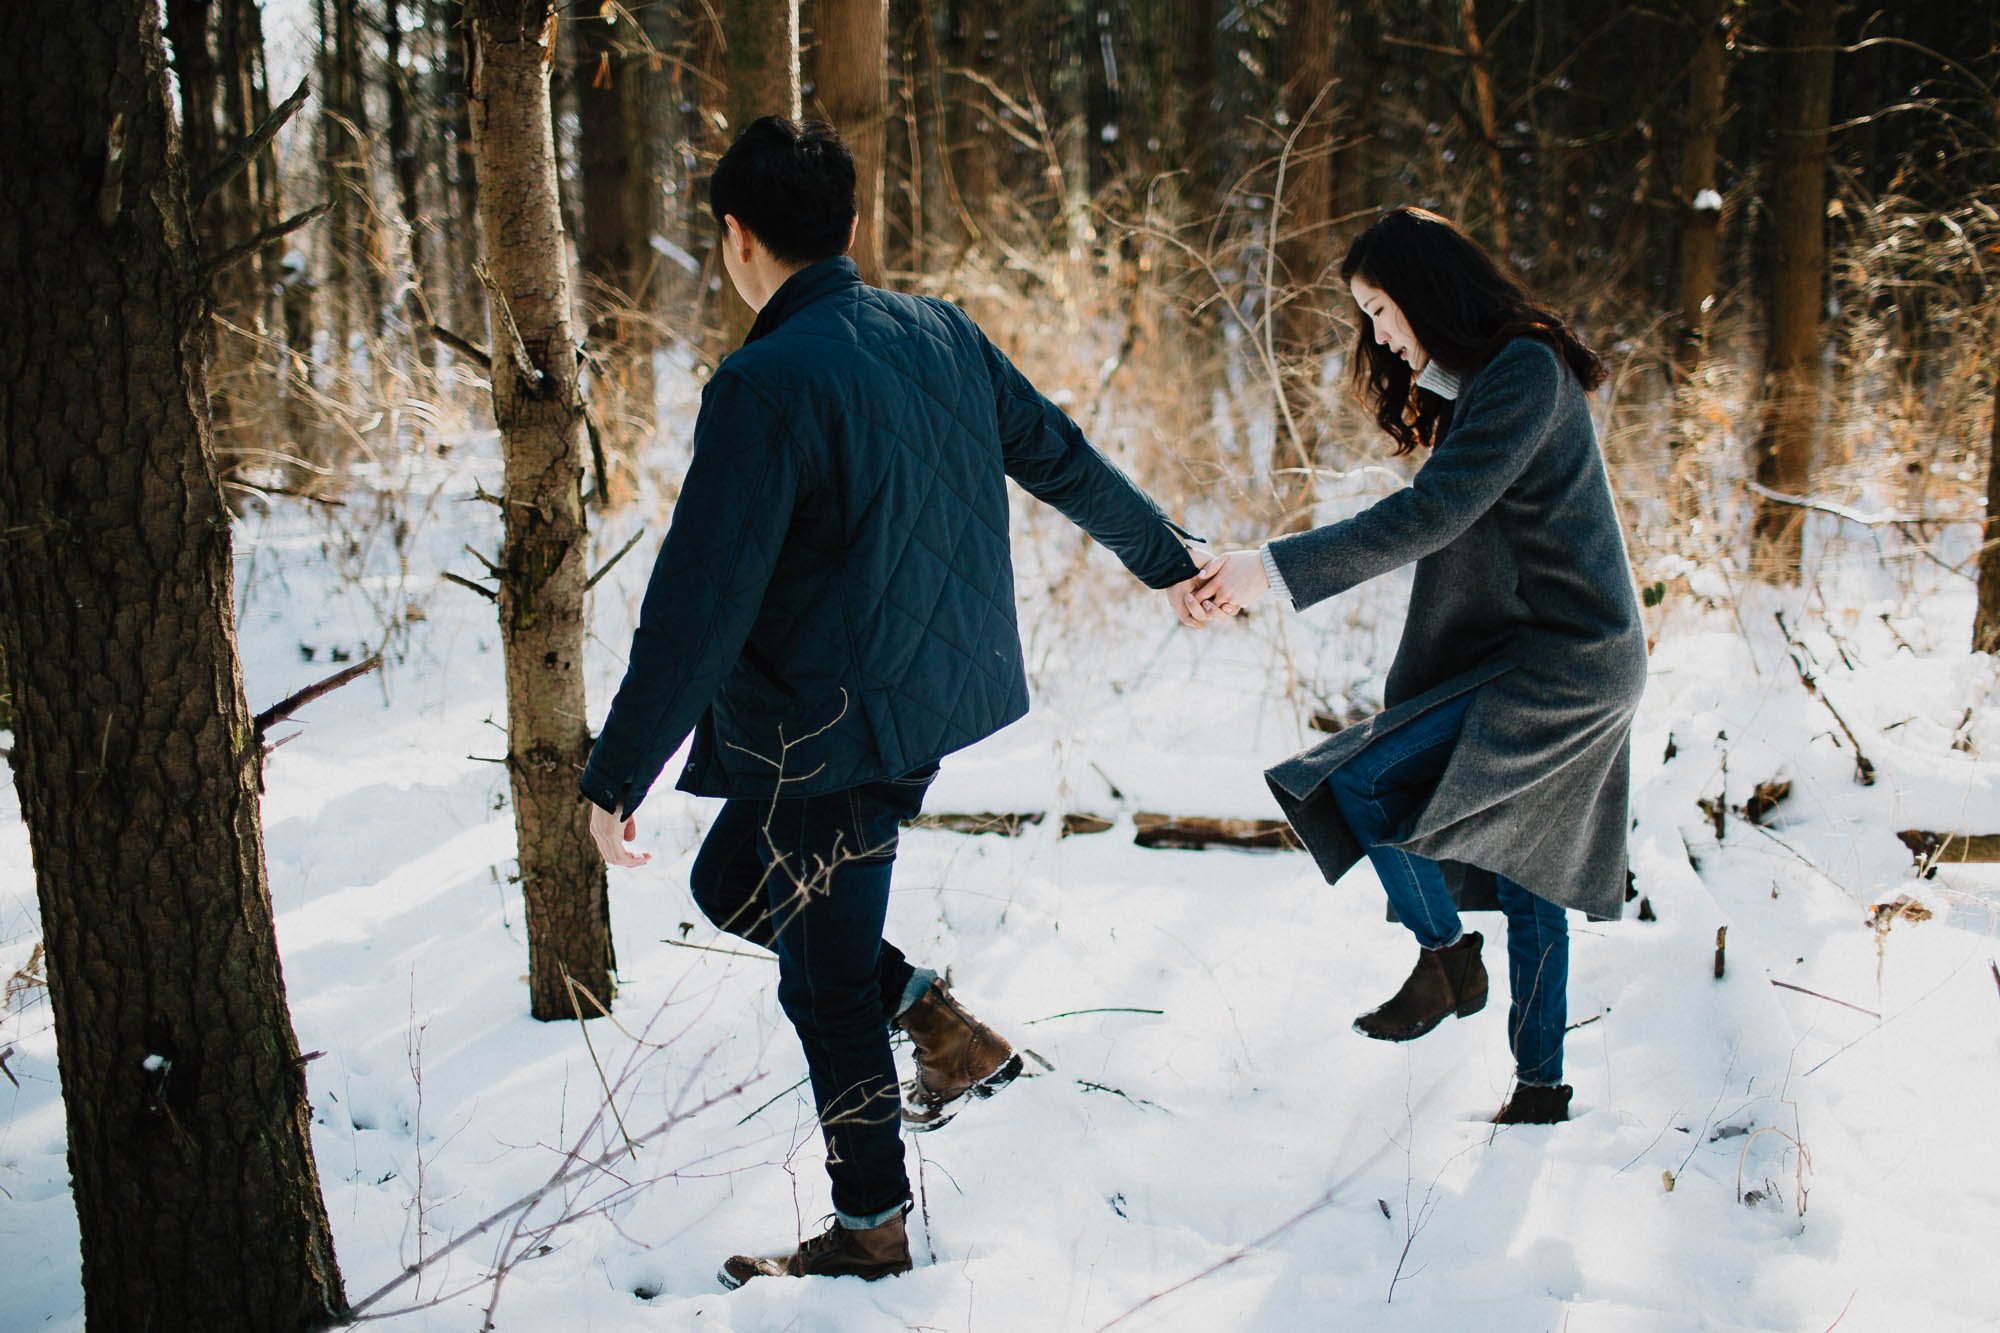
(1864,771)
(1958,848)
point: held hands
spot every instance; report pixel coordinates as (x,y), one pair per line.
(1226,584)
(611,833)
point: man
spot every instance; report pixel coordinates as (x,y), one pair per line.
(831,613)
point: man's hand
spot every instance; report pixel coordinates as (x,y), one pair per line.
(1185,605)
(1230,582)
(611,833)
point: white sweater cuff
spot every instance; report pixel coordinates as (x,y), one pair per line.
(1271,572)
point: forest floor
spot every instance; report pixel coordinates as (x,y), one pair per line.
(1803,1143)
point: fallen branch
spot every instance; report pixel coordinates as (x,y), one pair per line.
(284,708)
(1072,1013)
(1828,507)
(1196,832)
(1864,771)
(1959,848)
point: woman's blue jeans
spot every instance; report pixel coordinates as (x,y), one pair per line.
(808,877)
(1380,792)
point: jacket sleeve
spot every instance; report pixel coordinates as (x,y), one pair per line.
(1506,415)
(1046,453)
(707,586)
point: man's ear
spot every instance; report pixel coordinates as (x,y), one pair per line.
(738,237)
(853,229)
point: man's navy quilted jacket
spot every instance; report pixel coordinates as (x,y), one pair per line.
(834,602)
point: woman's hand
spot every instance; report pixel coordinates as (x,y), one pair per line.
(1231,581)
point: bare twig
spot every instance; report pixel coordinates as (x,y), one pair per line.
(767,1105)
(605,568)
(517,347)
(464,582)
(464,346)
(284,708)
(1072,1013)
(276,231)
(245,152)
(733,953)
(1864,770)
(576,988)
(1828,998)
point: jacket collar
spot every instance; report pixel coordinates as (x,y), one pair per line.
(808,285)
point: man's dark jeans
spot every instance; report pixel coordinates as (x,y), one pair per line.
(808,877)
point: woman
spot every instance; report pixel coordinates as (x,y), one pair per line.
(1499,769)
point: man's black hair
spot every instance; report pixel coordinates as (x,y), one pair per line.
(792,185)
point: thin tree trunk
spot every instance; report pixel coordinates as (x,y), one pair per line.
(469,298)
(1701,206)
(1986,620)
(852,81)
(135,757)
(1700,234)
(971,140)
(540,415)
(405,162)
(1785,447)
(1488,127)
(760,67)
(1304,253)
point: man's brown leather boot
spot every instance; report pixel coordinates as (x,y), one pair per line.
(836,1252)
(1446,981)
(956,1055)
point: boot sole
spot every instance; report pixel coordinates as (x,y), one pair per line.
(980,1091)
(1465,1010)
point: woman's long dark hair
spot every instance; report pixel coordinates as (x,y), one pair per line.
(1461,308)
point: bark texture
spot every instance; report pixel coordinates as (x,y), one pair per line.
(540,415)
(1792,362)
(1701,224)
(1986,619)
(198,1203)
(852,81)
(1304,253)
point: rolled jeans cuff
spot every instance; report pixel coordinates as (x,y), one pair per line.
(850,1222)
(920,981)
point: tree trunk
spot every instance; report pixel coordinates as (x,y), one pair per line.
(1986,620)
(1304,252)
(1488,128)
(1069,117)
(462,171)
(135,759)
(618,221)
(540,415)
(406,163)
(1784,450)
(852,81)
(971,141)
(1700,233)
(1701,206)
(760,68)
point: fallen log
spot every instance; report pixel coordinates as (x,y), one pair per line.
(1195,832)
(1931,848)
(1009,824)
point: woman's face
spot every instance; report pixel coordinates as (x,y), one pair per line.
(1391,329)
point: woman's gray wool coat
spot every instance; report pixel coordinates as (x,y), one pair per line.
(1524,597)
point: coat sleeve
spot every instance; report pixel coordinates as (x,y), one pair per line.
(1046,453)
(707,586)
(1506,416)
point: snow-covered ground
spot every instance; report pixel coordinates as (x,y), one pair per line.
(1205,1144)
